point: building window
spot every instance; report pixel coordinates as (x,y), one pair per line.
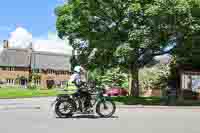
(59,72)
(9,68)
(51,71)
(37,71)
(10,81)
(37,82)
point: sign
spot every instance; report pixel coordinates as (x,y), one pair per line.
(190,81)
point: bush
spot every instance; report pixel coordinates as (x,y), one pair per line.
(155,77)
(138,100)
(32,87)
(125,85)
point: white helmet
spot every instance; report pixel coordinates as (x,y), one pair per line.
(78,69)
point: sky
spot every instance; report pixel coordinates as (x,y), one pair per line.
(37,16)
(25,22)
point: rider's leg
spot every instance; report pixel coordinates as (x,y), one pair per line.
(87,100)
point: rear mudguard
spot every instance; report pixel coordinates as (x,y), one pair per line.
(60,97)
(65,97)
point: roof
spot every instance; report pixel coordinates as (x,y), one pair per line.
(38,60)
(55,46)
(47,60)
(15,57)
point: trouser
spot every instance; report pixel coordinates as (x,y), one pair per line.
(87,99)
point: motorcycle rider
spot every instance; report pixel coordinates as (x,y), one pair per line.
(75,84)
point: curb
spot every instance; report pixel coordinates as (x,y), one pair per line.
(20,107)
(156,107)
(28,98)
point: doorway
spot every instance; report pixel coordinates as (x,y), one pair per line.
(50,84)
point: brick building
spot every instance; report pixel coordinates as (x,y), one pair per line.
(19,66)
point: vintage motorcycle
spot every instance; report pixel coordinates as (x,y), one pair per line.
(66,105)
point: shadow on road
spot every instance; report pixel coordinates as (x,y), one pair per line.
(87,117)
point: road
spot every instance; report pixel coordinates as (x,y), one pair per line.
(137,120)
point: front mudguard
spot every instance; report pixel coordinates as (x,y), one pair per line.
(104,99)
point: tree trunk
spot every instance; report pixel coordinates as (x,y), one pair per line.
(129,82)
(134,81)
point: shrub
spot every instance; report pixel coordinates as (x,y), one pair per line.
(155,77)
(32,87)
(125,85)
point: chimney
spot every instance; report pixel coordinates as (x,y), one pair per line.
(5,44)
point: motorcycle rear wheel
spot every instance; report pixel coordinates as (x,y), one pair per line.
(64,108)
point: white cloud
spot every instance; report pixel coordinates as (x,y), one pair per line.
(1,46)
(21,38)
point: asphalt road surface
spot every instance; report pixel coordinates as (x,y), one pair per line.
(133,120)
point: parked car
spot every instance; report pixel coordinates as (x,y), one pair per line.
(116,91)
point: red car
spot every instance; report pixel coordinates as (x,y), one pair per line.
(115,91)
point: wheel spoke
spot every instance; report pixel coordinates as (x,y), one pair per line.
(65,108)
(62,110)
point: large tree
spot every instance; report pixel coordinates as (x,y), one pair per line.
(126,33)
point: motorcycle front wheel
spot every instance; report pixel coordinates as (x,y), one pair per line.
(105,108)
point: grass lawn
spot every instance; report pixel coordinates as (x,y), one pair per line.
(11,92)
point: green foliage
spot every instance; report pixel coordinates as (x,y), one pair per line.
(35,76)
(154,77)
(127,33)
(155,101)
(138,101)
(32,87)
(111,77)
(125,84)
(108,28)
(114,77)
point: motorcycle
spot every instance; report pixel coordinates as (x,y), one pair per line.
(67,105)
